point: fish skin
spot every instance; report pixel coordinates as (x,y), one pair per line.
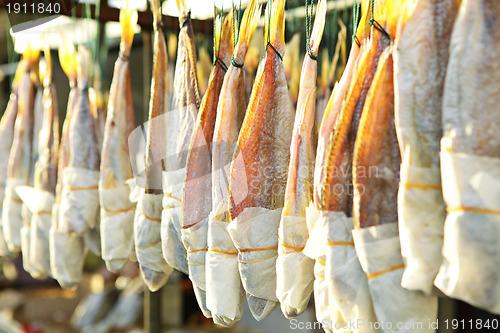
(299,186)
(20,154)
(472,92)
(196,200)
(120,121)
(336,191)
(7,124)
(230,114)
(83,147)
(46,168)
(186,99)
(265,135)
(332,111)
(377,148)
(420,59)
(157,107)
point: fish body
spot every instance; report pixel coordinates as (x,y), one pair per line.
(376,157)
(196,206)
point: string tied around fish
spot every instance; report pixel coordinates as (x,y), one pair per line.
(236,37)
(355,20)
(309,14)
(217,59)
(374,23)
(268,37)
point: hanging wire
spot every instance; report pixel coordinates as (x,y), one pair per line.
(377,25)
(355,21)
(236,38)
(309,14)
(217,59)
(269,11)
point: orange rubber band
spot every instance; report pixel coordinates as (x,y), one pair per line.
(43,212)
(198,250)
(223,252)
(147,217)
(320,262)
(149,246)
(376,274)
(473,210)
(258,260)
(118,210)
(292,247)
(171,196)
(170,207)
(18,201)
(261,249)
(340,244)
(82,188)
(421,186)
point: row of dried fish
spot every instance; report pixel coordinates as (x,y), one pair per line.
(248,201)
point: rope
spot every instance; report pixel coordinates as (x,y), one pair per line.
(355,17)
(187,19)
(218,60)
(269,11)
(235,64)
(236,36)
(377,25)
(309,13)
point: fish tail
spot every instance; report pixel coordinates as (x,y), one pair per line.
(318,28)
(276,27)
(249,24)
(31,54)
(67,58)
(364,23)
(84,60)
(128,20)
(181,6)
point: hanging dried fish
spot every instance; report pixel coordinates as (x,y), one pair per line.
(180,122)
(148,247)
(226,296)
(346,282)
(294,290)
(470,150)
(67,250)
(420,62)
(19,169)
(376,176)
(40,197)
(117,211)
(197,193)
(259,172)
(7,124)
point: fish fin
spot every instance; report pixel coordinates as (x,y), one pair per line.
(248,26)
(128,20)
(318,27)
(277,25)
(67,58)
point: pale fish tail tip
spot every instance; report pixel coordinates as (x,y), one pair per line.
(260,307)
(153,279)
(201,297)
(290,312)
(115,265)
(224,321)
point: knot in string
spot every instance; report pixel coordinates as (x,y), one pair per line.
(235,64)
(186,20)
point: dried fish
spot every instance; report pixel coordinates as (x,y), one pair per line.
(259,172)
(470,150)
(117,211)
(294,290)
(226,296)
(420,61)
(197,193)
